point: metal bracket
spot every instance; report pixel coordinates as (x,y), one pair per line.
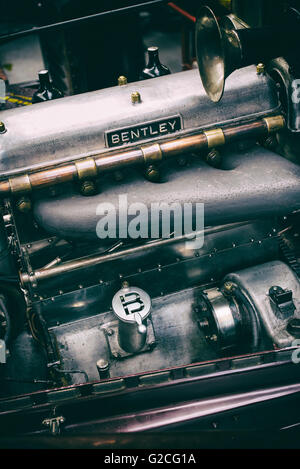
(283,301)
(111,331)
(54,424)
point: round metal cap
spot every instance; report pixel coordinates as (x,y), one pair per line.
(131,301)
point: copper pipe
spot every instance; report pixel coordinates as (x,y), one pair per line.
(145,155)
(86,262)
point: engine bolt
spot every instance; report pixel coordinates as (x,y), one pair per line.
(214,338)
(88,188)
(214,158)
(152,173)
(260,69)
(204,323)
(24,205)
(135,97)
(122,80)
(228,287)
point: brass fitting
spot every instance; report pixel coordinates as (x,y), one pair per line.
(152,173)
(215,138)
(88,188)
(24,205)
(228,287)
(214,158)
(274,123)
(86,168)
(122,81)
(135,97)
(260,69)
(20,184)
(152,153)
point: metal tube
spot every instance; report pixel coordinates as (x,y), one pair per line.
(145,155)
(71,266)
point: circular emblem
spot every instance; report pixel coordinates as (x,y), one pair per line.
(131,301)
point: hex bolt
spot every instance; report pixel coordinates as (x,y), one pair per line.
(214,158)
(88,188)
(2,128)
(152,173)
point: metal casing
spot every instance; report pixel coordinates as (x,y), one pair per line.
(57,131)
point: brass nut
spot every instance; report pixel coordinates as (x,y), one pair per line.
(214,158)
(135,97)
(260,69)
(88,188)
(2,128)
(122,81)
(152,173)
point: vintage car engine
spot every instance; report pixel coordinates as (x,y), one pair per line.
(107,314)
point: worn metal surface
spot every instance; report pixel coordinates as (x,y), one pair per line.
(158,268)
(251,185)
(179,341)
(75,126)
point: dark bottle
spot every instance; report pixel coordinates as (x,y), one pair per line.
(154,67)
(46,91)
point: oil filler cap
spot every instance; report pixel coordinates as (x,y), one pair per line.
(130,302)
